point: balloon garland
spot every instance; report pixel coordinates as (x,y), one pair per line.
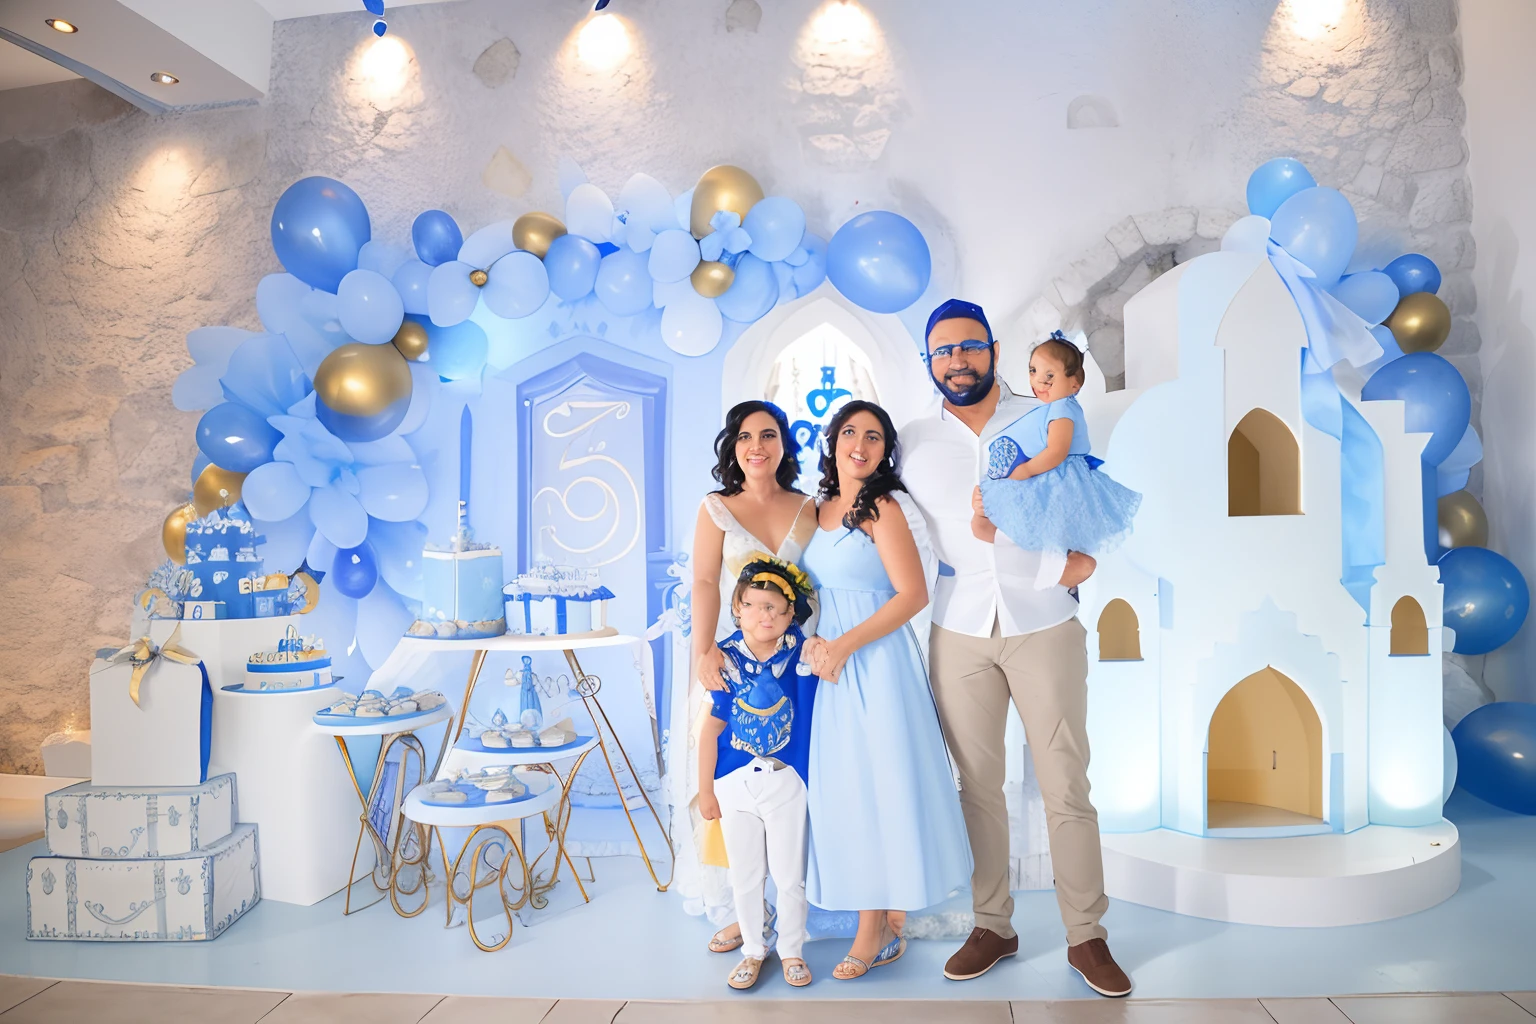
(309,423)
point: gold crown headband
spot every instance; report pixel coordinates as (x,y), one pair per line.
(777,581)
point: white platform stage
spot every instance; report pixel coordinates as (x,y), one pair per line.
(1373,874)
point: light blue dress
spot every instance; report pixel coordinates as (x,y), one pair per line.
(886,827)
(1074,507)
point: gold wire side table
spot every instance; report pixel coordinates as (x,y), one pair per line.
(587,687)
(400,849)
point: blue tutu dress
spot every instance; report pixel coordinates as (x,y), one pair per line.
(1074,507)
(886,827)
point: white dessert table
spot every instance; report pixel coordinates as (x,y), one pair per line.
(488,823)
(392,853)
(587,687)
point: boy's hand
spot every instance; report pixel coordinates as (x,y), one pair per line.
(709,668)
(709,807)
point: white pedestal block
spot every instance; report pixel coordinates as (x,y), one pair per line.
(1372,874)
(225,644)
(293,784)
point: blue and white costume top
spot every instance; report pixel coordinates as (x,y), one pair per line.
(767,710)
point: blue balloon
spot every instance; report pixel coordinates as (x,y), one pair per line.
(809,275)
(457,352)
(516,285)
(411,282)
(1496,755)
(1436,399)
(1486,598)
(776,225)
(674,254)
(369,308)
(236,438)
(1372,296)
(1318,227)
(752,293)
(363,428)
(437,237)
(199,463)
(318,227)
(572,264)
(1413,273)
(880,261)
(355,571)
(1274,182)
(624,283)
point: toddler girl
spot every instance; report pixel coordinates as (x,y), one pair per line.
(1043,490)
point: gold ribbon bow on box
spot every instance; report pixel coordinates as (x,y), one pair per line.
(141,654)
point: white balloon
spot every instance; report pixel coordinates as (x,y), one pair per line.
(647,202)
(691,326)
(1247,234)
(589,213)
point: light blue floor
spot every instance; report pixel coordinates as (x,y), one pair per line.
(635,943)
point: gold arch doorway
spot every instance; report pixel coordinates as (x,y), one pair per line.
(1264,757)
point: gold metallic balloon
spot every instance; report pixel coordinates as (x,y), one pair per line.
(1463,523)
(411,340)
(722,188)
(478,278)
(216,488)
(1420,323)
(532,232)
(363,380)
(173,532)
(712,279)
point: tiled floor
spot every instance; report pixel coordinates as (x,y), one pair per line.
(40,1001)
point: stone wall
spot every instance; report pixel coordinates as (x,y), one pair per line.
(1018,136)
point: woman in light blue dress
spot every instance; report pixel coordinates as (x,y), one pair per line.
(887,834)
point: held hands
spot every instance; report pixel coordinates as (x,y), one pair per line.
(827,657)
(708,669)
(709,807)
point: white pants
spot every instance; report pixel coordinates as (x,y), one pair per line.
(763,821)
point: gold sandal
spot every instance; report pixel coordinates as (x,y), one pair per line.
(890,953)
(745,975)
(796,972)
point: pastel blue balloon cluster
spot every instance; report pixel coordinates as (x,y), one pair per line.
(1309,232)
(343,493)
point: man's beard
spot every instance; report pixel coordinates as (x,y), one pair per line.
(972,394)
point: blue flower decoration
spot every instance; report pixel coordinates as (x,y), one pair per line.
(728,236)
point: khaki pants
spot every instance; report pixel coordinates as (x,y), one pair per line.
(1046,675)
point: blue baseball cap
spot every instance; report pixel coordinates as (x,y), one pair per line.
(957,309)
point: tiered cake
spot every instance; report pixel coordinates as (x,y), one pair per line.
(462,588)
(299,663)
(223,578)
(555,600)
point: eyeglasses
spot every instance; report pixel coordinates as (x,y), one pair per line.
(944,353)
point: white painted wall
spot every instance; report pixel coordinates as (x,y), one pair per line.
(1499,87)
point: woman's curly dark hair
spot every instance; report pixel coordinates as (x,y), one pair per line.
(886,477)
(729,472)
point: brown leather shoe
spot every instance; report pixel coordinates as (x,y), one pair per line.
(979,955)
(1091,959)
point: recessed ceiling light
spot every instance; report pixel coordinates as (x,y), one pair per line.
(60,25)
(163,78)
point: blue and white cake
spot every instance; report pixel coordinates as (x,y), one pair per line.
(224,578)
(557,600)
(299,663)
(462,589)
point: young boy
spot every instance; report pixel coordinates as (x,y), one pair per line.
(753,752)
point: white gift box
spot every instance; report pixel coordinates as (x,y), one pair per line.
(162,821)
(176,899)
(164,739)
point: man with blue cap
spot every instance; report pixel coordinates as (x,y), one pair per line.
(995,638)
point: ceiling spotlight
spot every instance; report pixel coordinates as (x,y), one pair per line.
(69,28)
(163,78)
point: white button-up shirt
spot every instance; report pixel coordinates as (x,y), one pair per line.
(942,461)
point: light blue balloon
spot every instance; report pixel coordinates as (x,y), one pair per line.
(436,236)
(623,283)
(673,256)
(1274,182)
(235,437)
(458,352)
(411,282)
(776,225)
(338,517)
(809,275)
(1448,777)
(354,571)
(1486,598)
(318,226)
(1372,295)
(264,374)
(274,492)
(369,307)
(1413,272)
(283,543)
(451,295)
(752,293)
(691,325)
(1435,400)
(516,286)
(394,491)
(879,261)
(397,548)
(572,263)
(1317,226)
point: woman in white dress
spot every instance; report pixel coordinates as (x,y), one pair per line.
(757,510)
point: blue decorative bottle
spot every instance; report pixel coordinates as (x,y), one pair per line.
(530,711)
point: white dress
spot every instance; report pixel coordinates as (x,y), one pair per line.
(706,889)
